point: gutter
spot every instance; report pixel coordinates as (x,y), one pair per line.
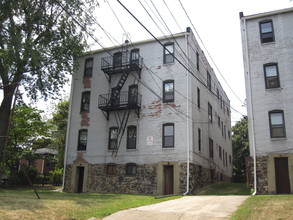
(67,131)
(250,109)
(188,31)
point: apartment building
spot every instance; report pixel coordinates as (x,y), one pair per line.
(148,117)
(268,63)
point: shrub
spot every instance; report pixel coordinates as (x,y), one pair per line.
(56,177)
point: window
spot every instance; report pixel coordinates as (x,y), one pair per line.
(226,159)
(131,137)
(230,159)
(111,169)
(168,135)
(225,132)
(211,147)
(199,139)
(85,101)
(266,31)
(219,121)
(168,91)
(220,152)
(132,95)
(223,157)
(113,137)
(210,112)
(88,67)
(117,60)
(277,124)
(271,76)
(218,93)
(198,97)
(197,61)
(131,169)
(209,81)
(82,139)
(229,134)
(222,125)
(134,57)
(169,53)
(221,102)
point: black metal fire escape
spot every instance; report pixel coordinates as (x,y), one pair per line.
(121,103)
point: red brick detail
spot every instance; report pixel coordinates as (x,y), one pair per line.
(86,82)
(85,120)
(79,159)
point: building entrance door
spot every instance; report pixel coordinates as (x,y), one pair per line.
(80,174)
(168,179)
(282,175)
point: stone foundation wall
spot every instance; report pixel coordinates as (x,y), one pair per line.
(261,174)
(199,177)
(144,182)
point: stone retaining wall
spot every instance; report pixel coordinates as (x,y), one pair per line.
(261,174)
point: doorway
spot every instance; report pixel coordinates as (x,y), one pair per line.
(168,186)
(282,175)
(79,176)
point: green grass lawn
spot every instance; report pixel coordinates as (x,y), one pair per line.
(223,188)
(266,207)
(24,204)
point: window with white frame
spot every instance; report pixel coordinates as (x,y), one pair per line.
(168,135)
(266,31)
(169,53)
(277,124)
(271,76)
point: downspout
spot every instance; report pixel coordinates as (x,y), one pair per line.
(250,108)
(67,131)
(188,30)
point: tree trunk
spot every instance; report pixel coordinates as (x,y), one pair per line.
(5,116)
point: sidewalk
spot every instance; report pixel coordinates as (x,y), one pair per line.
(185,208)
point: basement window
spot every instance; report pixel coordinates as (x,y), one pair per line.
(131,169)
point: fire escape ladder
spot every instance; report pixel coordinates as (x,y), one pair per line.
(116,90)
(121,129)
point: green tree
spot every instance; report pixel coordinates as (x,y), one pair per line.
(28,131)
(39,41)
(59,121)
(240,146)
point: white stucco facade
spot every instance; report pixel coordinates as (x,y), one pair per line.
(264,99)
(183,112)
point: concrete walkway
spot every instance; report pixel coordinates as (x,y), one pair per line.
(185,208)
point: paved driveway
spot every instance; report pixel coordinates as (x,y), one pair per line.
(185,208)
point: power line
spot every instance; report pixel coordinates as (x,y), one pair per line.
(172,53)
(209,53)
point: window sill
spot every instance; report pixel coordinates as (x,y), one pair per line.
(168,148)
(166,64)
(273,89)
(268,43)
(279,139)
(131,150)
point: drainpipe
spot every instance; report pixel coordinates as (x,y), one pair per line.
(250,109)
(188,30)
(67,131)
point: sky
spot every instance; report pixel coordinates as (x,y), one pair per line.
(216,22)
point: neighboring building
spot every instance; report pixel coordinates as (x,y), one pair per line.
(140,122)
(267,41)
(45,160)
